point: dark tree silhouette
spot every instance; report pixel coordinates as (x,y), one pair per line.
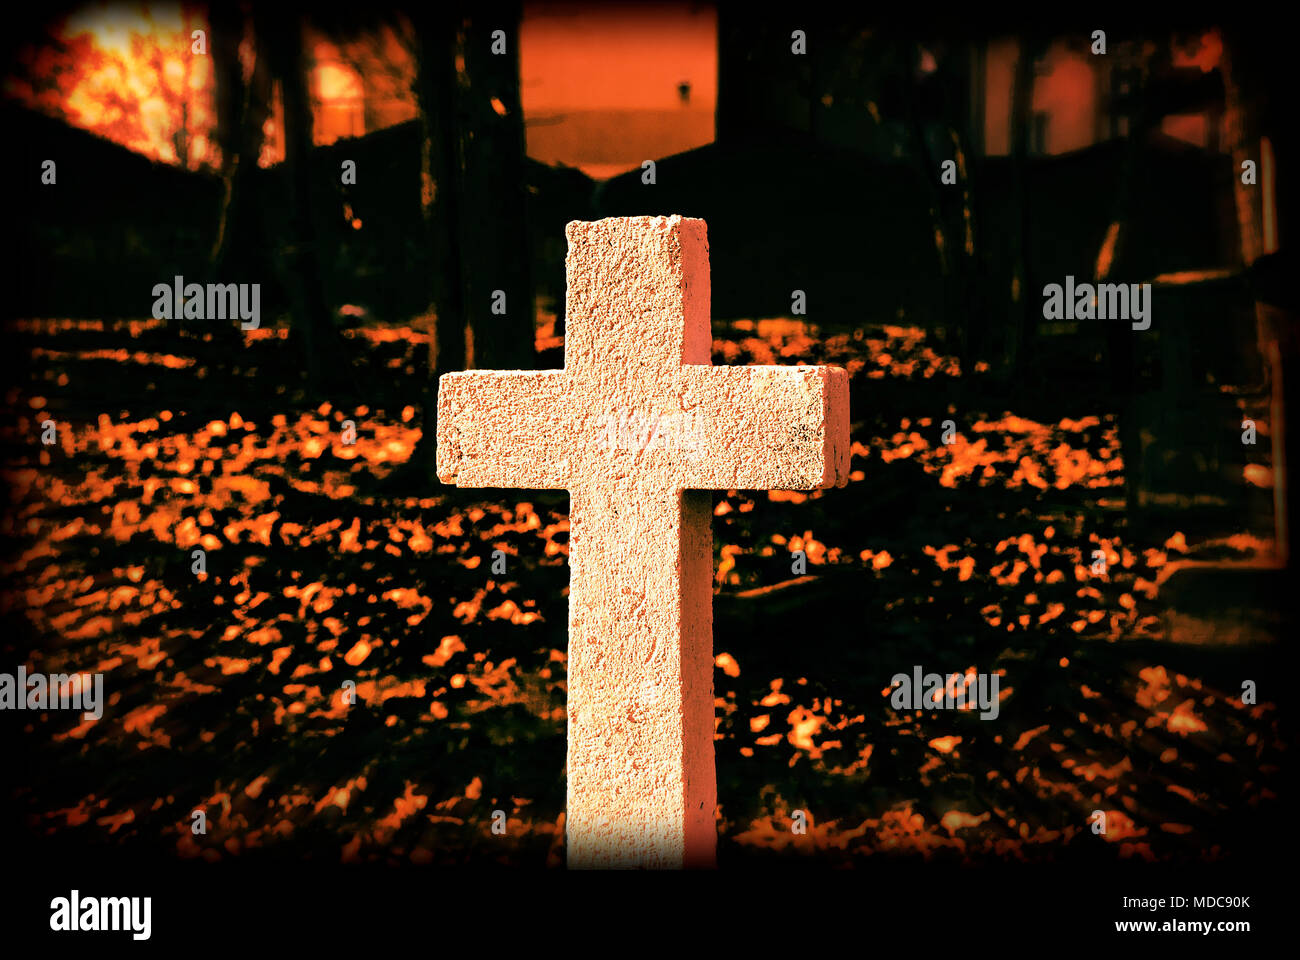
(299,257)
(242,108)
(472,194)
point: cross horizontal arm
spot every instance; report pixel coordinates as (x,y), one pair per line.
(766,428)
(504,428)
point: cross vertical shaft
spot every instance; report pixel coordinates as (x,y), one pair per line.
(641,788)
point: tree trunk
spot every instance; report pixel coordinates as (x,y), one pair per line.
(1121,339)
(473,171)
(967,139)
(1020,320)
(497,254)
(232,96)
(241,108)
(438,40)
(1243,144)
(300,257)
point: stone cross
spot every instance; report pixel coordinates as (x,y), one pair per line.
(637,427)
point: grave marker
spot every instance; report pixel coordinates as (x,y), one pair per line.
(641,783)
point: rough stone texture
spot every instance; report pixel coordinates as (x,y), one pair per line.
(641,785)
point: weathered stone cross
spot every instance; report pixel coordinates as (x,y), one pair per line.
(641,784)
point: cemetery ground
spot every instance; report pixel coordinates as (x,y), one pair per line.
(328,562)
